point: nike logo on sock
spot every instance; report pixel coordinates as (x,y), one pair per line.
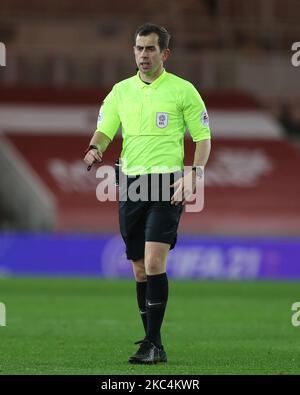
(153,304)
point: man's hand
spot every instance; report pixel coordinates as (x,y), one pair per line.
(92,155)
(184,188)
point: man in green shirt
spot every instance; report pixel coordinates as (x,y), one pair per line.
(154,108)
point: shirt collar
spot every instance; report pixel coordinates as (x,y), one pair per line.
(153,84)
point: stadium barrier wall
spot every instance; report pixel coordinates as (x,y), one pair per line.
(195,257)
(23,194)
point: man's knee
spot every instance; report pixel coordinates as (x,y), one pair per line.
(156,257)
(139,270)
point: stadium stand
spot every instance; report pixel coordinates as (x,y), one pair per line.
(219,44)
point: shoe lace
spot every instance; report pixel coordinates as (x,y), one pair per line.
(144,344)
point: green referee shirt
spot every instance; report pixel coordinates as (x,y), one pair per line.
(154,119)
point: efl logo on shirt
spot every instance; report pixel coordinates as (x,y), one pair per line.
(162,119)
(100,116)
(204,118)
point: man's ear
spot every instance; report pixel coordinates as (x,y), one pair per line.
(166,54)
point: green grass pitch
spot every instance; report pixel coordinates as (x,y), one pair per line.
(88,326)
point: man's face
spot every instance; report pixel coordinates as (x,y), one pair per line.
(148,57)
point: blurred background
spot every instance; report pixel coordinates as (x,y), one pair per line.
(63,57)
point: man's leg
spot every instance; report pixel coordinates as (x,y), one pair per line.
(157,288)
(141,292)
(141,288)
(154,268)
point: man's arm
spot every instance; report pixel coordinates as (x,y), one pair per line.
(202,152)
(101,141)
(185,186)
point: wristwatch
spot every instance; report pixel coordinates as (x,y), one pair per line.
(198,170)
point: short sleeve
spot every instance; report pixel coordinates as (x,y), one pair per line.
(195,114)
(108,118)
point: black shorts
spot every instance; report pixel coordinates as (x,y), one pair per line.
(148,220)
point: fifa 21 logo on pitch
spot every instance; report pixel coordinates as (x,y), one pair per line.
(296,315)
(296,55)
(2,314)
(2,54)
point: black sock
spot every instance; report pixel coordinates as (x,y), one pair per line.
(156,301)
(141,289)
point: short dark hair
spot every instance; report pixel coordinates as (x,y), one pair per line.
(148,28)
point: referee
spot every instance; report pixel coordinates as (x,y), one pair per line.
(154,108)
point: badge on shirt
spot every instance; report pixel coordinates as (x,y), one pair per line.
(204,118)
(162,119)
(100,116)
